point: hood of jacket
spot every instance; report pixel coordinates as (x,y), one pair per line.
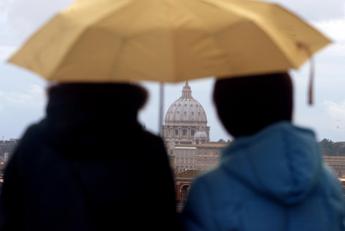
(281,162)
(91,116)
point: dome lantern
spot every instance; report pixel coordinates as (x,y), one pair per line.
(186,92)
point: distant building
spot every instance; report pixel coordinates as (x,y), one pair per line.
(187,137)
(186,121)
(2,169)
(337,164)
(199,157)
(6,148)
(183,181)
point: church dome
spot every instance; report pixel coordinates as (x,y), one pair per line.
(186,109)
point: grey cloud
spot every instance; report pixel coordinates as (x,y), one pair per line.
(23,17)
(6,51)
(334,29)
(22,100)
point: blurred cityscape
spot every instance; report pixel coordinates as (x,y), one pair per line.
(187,137)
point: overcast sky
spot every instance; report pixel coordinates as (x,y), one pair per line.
(22,95)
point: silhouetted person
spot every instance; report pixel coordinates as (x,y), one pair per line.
(271,177)
(89,165)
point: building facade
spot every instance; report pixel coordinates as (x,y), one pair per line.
(337,164)
(187,138)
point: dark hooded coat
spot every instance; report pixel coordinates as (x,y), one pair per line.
(89,165)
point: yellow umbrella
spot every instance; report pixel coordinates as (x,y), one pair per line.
(168,40)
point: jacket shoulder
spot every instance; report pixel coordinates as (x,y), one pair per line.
(148,136)
(221,189)
(151,142)
(32,137)
(212,202)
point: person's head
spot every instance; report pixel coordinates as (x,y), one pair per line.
(245,105)
(119,98)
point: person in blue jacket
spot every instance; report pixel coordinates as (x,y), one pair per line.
(271,177)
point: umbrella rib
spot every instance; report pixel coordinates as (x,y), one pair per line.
(274,41)
(327,39)
(253,19)
(79,35)
(206,31)
(128,38)
(250,20)
(72,45)
(266,30)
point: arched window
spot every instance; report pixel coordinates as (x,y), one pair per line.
(184,192)
(176,132)
(184,132)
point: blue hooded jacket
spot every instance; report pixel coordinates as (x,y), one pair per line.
(274,180)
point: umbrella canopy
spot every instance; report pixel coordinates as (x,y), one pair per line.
(168,41)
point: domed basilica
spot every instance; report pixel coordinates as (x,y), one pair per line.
(186,121)
(187,138)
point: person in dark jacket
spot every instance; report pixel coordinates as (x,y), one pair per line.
(271,177)
(89,165)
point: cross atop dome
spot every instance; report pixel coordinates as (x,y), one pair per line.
(187,91)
